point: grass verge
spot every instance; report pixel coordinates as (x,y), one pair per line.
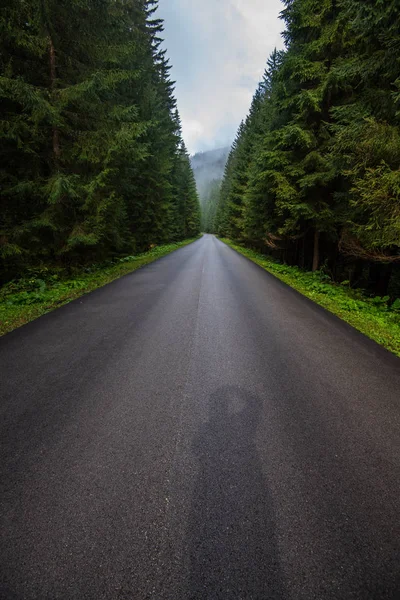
(27,299)
(372,316)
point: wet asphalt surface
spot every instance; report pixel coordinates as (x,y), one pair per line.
(198,430)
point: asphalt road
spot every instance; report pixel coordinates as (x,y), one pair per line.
(198,430)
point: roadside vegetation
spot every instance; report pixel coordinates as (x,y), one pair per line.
(375,316)
(43,289)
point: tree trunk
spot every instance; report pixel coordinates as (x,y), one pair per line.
(303,252)
(380,275)
(315,265)
(357,273)
(296,260)
(53,76)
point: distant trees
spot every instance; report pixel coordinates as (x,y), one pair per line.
(92,157)
(209,206)
(208,168)
(313,175)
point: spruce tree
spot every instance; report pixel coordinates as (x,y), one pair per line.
(366,145)
(89,133)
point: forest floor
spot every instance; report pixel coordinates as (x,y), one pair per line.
(26,299)
(372,316)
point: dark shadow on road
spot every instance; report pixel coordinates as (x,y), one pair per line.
(231,529)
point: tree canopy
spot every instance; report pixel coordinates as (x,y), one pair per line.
(93,162)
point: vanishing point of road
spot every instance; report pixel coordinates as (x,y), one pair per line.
(197,430)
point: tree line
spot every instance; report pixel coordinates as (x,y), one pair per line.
(209,205)
(208,168)
(313,175)
(93,161)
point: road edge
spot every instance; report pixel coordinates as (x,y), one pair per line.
(12,318)
(380,334)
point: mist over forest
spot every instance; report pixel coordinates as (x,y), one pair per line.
(208,166)
(208,169)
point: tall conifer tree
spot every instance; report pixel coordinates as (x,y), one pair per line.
(89,136)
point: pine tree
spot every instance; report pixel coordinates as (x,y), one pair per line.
(319,173)
(190,207)
(305,191)
(89,133)
(259,202)
(222,219)
(366,127)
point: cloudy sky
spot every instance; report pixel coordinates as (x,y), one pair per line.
(218,49)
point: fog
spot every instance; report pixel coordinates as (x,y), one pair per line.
(208,167)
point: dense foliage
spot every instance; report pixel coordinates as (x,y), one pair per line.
(93,162)
(313,176)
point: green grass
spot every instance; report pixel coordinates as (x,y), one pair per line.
(26,299)
(372,316)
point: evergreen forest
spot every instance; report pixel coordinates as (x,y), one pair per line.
(313,176)
(93,164)
(208,168)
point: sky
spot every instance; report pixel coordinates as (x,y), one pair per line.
(218,50)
